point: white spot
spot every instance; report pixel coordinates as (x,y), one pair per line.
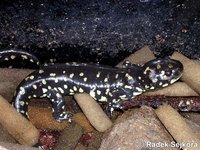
(35,86)
(49,87)
(64,71)
(44,90)
(75,88)
(22,111)
(81,90)
(58,95)
(137,93)
(52,74)
(173,80)
(98,92)
(12,56)
(103,99)
(98,74)
(139,78)
(81,74)
(31,77)
(128,76)
(138,89)
(44,82)
(71,75)
(61,90)
(6,58)
(152,88)
(92,93)
(31,60)
(24,57)
(128,87)
(116,76)
(56,80)
(122,96)
(107,91)
(65,86)
(41,71)
(164,85)
(85,79)
(34,95)
(72,91)
(22,91)
(21,103)
(106,80)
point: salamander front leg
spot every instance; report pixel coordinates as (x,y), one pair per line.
(58,106)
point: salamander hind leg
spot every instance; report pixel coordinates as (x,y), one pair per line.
(58,106)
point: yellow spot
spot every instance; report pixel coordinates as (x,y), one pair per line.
(128,76)
(12,56)
(65,86)
(21,103)
(41,71)
(85,79)
(138,89)
(35,86)
(98,74)
(75,88)
(128,87)
(72,91)
(92,93)
(158,66)
(52,74)
(98,92)
(145,71)
(44,82)
(116,76)
(58,95)
(107,91)
(103,99)
(81,90)
(71,75)
(61,90)
(24,56)
(106,80)
(56,80)
(31,77)
(22,91)
(44,90)
(81,74)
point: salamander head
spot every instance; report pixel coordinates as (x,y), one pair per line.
(162,72)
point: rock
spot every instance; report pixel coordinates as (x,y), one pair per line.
(69,137)
(11,146)
(80,119)
(193,116)
(5,136)
(136,129)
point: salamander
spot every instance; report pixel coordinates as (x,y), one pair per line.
(103,83)
(13,54)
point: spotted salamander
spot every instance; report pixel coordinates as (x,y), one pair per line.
(103,83)
(13,54)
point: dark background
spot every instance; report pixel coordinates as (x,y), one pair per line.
(104,31)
